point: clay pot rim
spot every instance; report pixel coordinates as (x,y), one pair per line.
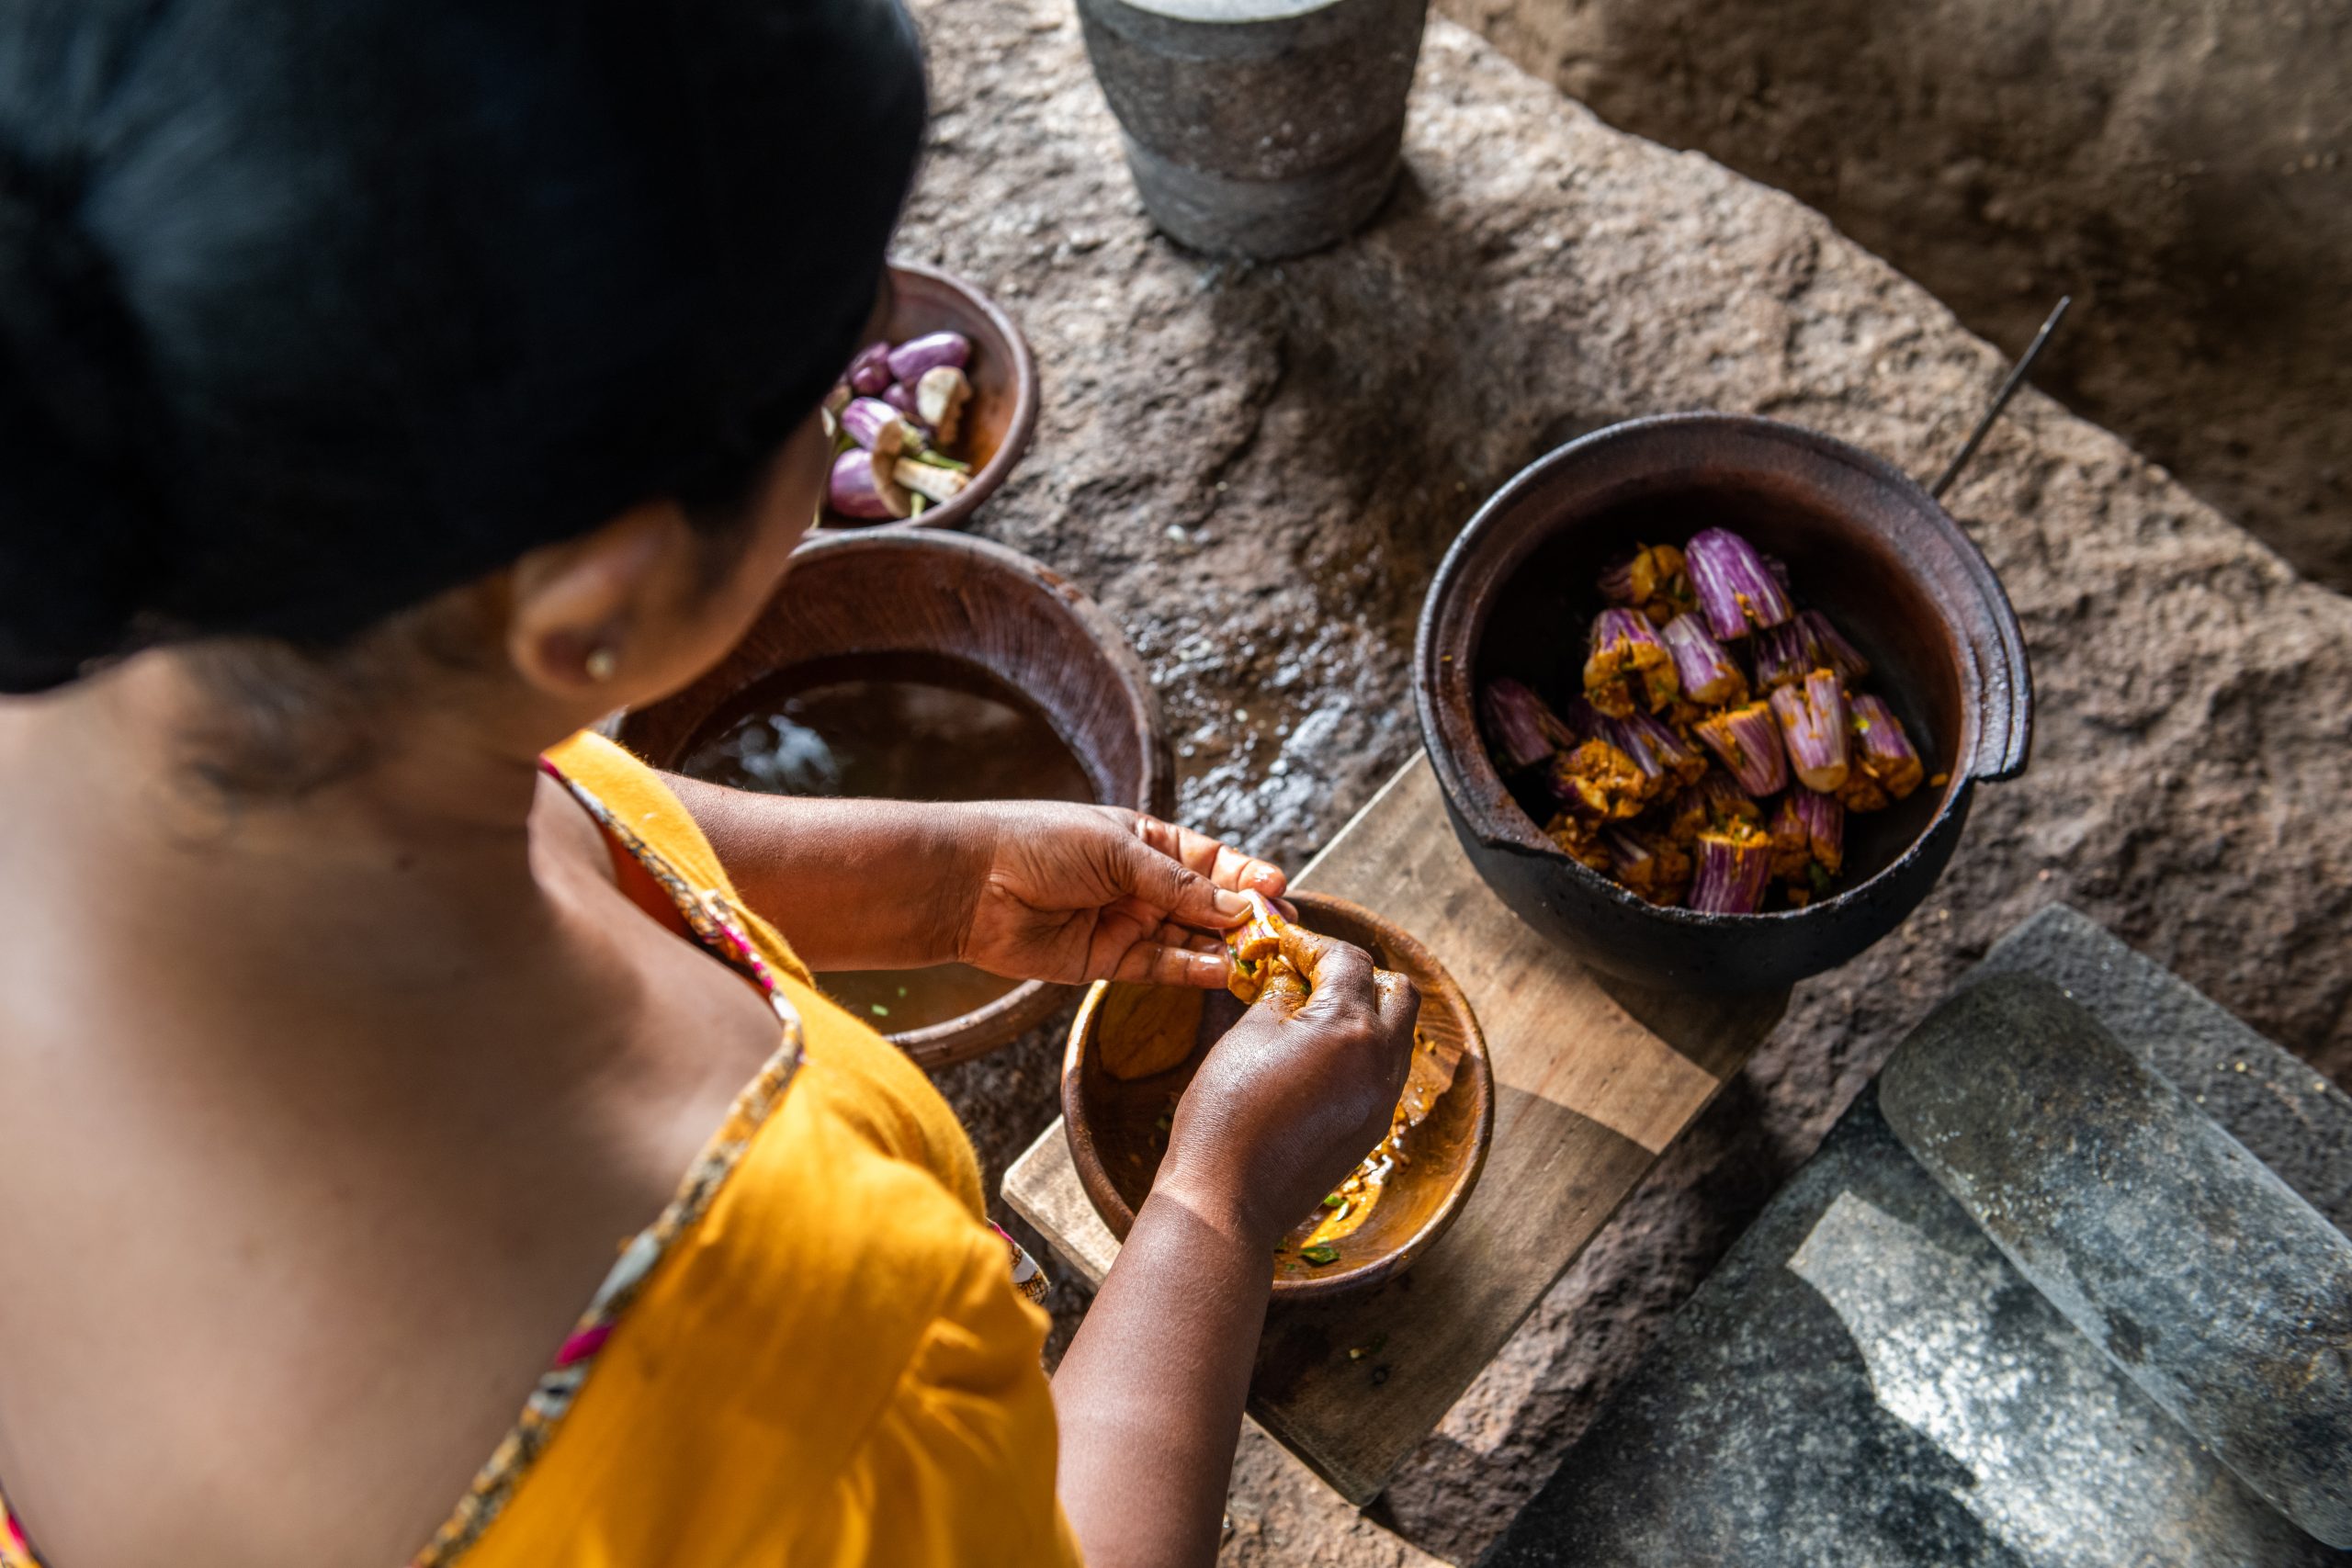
(1439,988)
(1450,631)
(1018,434)
(1001,1023)
(1029,1004)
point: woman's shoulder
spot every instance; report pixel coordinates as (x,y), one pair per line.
(630,799)
(862,1079)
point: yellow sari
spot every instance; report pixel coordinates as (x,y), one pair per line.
(819,1354)
(833,1364)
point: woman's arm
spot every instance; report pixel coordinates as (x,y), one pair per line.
(1030,889)
(850,884)
(1149,1394)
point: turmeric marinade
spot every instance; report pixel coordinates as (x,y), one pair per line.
(1258,961)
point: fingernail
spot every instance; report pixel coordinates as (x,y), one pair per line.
(1232,906)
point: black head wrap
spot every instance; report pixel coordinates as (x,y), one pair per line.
(310,311)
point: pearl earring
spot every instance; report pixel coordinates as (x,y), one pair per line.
(602,663)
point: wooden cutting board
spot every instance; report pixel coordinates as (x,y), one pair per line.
(1593,1079)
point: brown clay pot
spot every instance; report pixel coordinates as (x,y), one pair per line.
(1863,543)
(1002,415)
(948,594)
(1117,1132)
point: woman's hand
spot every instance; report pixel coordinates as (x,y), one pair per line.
(1150,1393)
(1031,889)
(1078,893)
(1295,1094)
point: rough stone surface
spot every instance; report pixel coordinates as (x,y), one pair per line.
(1866,1382)
(2208,1280)
(1256,468)
(2184,170)
(2290,1119)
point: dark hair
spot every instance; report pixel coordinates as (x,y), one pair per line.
(309,311)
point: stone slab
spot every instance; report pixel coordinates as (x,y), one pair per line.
(2288,1116)
(2215,1288)
(1721,1414)
(1865,1381)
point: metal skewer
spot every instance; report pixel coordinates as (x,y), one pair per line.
(2001,398)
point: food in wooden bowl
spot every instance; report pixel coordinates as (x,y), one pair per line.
(1134,1048)
(930,419)
(920,666)
(1518,595)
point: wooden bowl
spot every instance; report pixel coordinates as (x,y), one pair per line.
(1118,1128)
(1002,414)
(888,595)
(1863,543)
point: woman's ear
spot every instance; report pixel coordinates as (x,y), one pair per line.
(597,619)
(635,609)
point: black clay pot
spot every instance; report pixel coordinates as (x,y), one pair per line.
(1863,542)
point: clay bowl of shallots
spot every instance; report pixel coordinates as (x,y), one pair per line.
(932,416)
(1133,1049)
(1709,696)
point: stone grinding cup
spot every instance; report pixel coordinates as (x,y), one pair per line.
(1258,128)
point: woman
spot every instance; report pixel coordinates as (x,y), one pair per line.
(387,392)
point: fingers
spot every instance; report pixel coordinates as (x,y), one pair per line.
(1225,866)
(1398,1001)
(1284,991)
(1158,964)
(1245,874)
(1174,935)
(1155,877)
(1338,975)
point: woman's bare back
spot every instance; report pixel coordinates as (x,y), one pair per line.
(304,1188)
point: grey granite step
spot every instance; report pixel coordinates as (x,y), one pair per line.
(1865,1380)
(2225,1297)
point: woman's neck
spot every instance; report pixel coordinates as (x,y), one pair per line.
(419,876)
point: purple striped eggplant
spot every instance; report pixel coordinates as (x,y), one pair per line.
(1737,590)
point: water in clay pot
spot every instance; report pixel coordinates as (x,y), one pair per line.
(892,726)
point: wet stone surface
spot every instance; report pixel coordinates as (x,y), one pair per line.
(1256,469)
(2215,1288)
